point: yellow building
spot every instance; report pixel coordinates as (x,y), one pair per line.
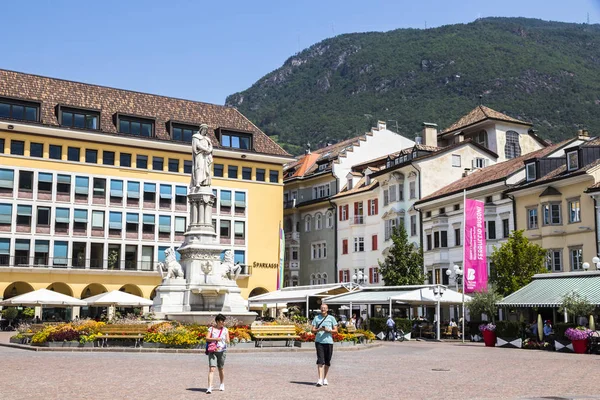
(93,185)
(553,208)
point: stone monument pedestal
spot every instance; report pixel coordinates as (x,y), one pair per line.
(170,296)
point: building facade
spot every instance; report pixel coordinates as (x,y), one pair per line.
(93,185)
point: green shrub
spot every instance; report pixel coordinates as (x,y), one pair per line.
(560,328)
(509,329)
(379,324)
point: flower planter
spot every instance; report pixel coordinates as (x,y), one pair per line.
(147,345)
(509,343)
(489,338)
(580,346)
(245,345)
(16,340)
(563,345)
(86,344)
(343,344)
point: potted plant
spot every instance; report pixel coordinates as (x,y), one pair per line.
(579,338)
(508,334)
(489,334)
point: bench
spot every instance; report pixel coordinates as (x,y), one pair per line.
(129,332)
(274,332)
(352,330)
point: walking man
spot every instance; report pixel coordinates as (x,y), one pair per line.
(323,326)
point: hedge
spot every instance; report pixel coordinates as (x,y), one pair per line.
(377,325)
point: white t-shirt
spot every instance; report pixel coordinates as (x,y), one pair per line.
(218,333)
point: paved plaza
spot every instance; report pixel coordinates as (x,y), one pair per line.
(410,370)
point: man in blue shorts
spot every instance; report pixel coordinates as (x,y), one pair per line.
(323,326)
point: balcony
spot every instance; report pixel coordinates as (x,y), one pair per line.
(292,235)
(289,204)
(358,220)
(436,256)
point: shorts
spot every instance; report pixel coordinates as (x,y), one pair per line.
(216,359)
(324,353)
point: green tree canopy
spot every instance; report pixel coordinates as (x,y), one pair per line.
(484,303)
(515,263)
(404,263)
(576,305)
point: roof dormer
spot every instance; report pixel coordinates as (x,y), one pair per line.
(572,159)
(531,171)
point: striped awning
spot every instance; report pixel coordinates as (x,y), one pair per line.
(548,290)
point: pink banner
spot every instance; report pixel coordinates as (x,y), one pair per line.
(475,268)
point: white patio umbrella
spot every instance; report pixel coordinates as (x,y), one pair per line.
(43,297)
(117,298)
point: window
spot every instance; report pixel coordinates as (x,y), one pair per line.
(491,229)
(44,182)
(158,163)
(428,242)
(108,157)
(225,229)
(141,162)
(457,237)
(344,275)
(307,223)
(373,206)
(7,177)
(574,211)
(218,170)
(136,126)
(150,192)
(82,185)
(456,160)
(489,199)
(43,216)
(116,190)
(73,154)
(183,133)
(17,147)
(5,214)
(554,260)
(179,225)
(36,150)
(321,191)
(239,230)
(166,194)
(505,228)
(2,144)
(428,214)
(294,255)
(125,160)
(60,253)
(359,244)
(232,172)
(260,174)
(24,215)
(55,152)
(481,138)
(319,251)
(80,220)
(164,224)
(512,148)
(530,170)
(97,220)
(180,195)
(19,110)
(412,190)
(41,252)
(81,119)
(532,218)
(26,180)
(444,239)
(573,160)
(91,156)
(392,192)
(344,246)
(478,162)
(133,190)
(456,207)
(374,275)
(551,213)
(148,223)
(236,140)
(225,200)
(436,240)
(187,166)
(115,221)
(173,165)
(274,176)
(386,197)
(99,188)
(413,225)
(442,210)
(318,222)
(374,242)
(329,220)
(576,256)
(132,223)
(246,173)
(344,212)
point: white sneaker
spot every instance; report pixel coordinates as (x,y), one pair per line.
(222,387)
(209,390)
(325,383)
(319,383)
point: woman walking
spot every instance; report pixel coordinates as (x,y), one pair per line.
(217,339)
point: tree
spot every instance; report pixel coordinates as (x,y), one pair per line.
(484,303)
(576,305)
(404,263)
(10,314)
(515,263)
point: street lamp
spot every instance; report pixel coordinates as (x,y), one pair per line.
(457,274)
(595,261)
(438,292)
(359,278)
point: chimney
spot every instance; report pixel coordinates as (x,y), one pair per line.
(430,134)
(584,133)
(307,151)
(459,138)
(381,125)
(418,140)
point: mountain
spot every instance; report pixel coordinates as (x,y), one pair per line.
(547,73)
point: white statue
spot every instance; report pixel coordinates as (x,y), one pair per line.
(202,158)
(232,271)
(171,266)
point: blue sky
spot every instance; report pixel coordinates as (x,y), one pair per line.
(204,50)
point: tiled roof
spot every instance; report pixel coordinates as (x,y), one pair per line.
(360,187)
(51,92)
(560,173)
(478,114)
(592,142)
(492,173)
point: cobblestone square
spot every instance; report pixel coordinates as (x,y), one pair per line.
(410,370)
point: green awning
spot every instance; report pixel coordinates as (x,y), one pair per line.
(547,290)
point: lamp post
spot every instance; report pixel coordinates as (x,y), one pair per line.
(595,261)
(457,274)
(359,278)
(438,291)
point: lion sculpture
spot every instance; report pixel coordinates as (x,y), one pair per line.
(170,265)
(232,271)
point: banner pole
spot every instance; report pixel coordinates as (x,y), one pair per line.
(464,258)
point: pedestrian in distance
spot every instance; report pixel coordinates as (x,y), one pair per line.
(217,339)
(391,328)
(323,326)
